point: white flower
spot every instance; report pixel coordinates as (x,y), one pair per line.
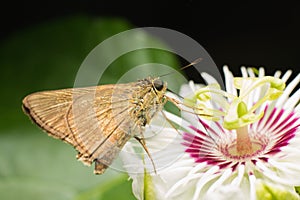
(243,144)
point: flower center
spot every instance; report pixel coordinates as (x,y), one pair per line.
(234,111)
(235,152)
(242,149)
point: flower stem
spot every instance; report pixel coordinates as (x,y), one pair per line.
(243,142)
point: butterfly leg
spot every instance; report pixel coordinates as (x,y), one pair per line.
(143,143)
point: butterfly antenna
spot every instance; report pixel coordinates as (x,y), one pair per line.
(192,63)
(184,67)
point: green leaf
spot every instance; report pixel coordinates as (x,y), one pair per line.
(297,190)
(273,192)
(39,167)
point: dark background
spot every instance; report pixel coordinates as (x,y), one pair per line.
(251,33)
(43,44)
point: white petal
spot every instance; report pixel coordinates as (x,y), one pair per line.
(229,81)
(218,184)
(290,87)
(244,72)
(240,175)
(252,181)
(208,78)
(205,178)
(250,72)
(277,74)
(226,193)
(286,75)
(292,101)
(272,175)
(175,189)
(261,72)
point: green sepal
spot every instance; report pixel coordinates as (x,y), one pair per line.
(149,190)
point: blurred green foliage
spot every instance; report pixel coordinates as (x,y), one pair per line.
(47,56)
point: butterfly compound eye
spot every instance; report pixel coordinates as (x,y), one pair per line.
(158,84)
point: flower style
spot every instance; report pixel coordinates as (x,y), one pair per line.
(242,143)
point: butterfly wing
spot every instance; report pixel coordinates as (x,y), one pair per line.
(48,110)
(101,124)
(95,120)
